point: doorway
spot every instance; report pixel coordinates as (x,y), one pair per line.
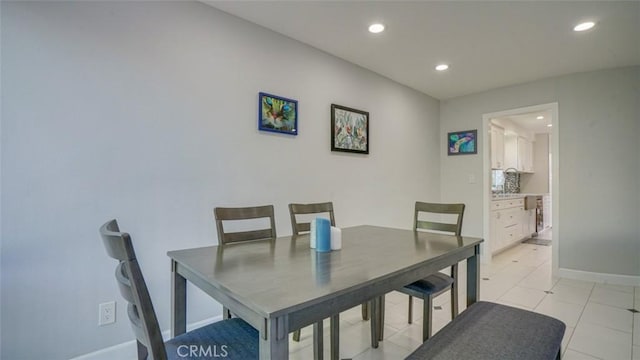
(511,121)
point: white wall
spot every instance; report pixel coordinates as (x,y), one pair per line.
(146,111)
(538,182)
(599,189)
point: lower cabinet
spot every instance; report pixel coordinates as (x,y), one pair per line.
(509,223)
(546,211)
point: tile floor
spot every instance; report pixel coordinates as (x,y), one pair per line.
(599,326)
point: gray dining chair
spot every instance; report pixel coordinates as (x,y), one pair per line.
(223,214)
(300,226)
(238,337)
(433,285)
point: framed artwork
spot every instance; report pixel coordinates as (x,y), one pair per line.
(349,130)
(462,142)
(277,114)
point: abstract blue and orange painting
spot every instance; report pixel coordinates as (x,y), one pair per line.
(278,114)
(462,142)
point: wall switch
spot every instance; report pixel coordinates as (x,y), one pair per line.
(107,313)
(472,178)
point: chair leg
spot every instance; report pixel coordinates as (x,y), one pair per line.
(454,301)
(226,314)
(142,351)
(454,292)
(410,309)
(427,318)
(365,311)
(296,335)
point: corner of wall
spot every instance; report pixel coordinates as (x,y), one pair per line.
(1,186)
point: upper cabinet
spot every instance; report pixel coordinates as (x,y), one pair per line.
(525,155)
(497,147)
(510,149)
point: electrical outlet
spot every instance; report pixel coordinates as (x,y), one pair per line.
(107,313)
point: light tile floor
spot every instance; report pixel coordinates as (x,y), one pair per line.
(599,324)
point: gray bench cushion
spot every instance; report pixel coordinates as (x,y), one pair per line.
(493,331)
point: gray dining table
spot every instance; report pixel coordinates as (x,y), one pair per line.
(281,285)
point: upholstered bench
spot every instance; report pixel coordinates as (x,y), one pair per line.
(493,331)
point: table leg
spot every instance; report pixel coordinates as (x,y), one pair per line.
(318,340)
(274,339)
(381,318)
(373,319)
(335,337)
(178,302)
(473,277)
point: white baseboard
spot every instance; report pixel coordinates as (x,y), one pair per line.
(628,280)
(129,350)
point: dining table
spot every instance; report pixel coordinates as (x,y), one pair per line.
(280,285)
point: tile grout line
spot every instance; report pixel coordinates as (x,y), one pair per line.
(578,321)
(633,323)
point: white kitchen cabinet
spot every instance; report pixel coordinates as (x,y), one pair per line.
(518,152)
(524,155)
(497,147)
(510,150)
(529,224)
(508,225)
(546,211)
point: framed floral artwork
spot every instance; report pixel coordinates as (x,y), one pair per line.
(349,130)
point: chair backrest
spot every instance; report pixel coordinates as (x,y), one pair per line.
(302,209)
(455,209)
(134,290)
(246,213)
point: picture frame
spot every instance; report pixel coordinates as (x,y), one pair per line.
(277,114)
(462,142)
(349,130)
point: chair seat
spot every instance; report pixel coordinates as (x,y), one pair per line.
(228,339)
(432,284)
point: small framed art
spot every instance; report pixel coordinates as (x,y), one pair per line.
(462,142)
(277,114)
(349,130)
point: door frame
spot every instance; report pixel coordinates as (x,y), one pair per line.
(555,175)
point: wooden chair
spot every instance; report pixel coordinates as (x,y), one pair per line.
(298,228)
(435,284)
(239,338)
(246,213)
(223,214)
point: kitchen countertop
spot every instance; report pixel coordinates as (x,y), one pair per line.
(513,196)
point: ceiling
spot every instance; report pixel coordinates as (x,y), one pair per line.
(530,122)
(488,44)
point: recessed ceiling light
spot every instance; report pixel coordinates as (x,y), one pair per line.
(376,28)
(540,117)
(442,67)
(549,125)
(584,26)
